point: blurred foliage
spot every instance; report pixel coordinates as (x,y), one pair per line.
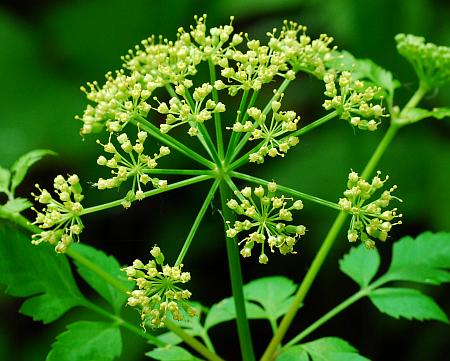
(50,48)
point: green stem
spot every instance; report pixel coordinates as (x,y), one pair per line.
(153,192)
(191,341)
(265,111)
(207,341)
(197,221)
(236,282)
(400,120)
(144,124)
(180,171)
(294,192)
(121,322)
(305,286)
(325,318)
(217,116)
(313,125)
(244,159)
(241,113)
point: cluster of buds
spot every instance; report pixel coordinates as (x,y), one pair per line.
(132,163)
(60,219)
(352,100)
(186,110)
(266,221)
(158,295)
(281,122)
(300,51)
(431,62)
(369,220)
(117,101)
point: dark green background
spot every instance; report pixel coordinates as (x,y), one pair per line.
(49,48)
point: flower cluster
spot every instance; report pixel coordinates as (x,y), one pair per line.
(192,110)
(120,99)
(158,295)
(369,220)
(62,216)
(243,64)
(352,100)
(132,163)
(431,62)
(281,122)
(267,218)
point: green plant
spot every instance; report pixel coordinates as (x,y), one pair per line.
(159,83)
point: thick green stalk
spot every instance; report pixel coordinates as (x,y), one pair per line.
(197,221)
(328,316)
(217,116)
(304,286)
(236,282)
(144,124)
(180,171)
(153,192)
(294,192)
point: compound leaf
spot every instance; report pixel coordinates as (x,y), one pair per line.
(21,166)
(274,294)
(323,349)
(415,114)
(171,353)
(360,264)
(87,341)
(109,265)
(408,303)
(38,273)
(425,259)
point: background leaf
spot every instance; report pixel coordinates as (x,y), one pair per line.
(17,205)
(171,353)
(425,259)
(21,166)
(323,349)
(4,179)
(272,293)
(38,273)
(360,264)
(225,311)
(407,303)
(87,341)
(108,264)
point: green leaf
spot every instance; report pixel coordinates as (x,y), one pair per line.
(272,293)
(360,264)
(108,264)
(225,311)
(5,176)
(36,272)
(425,259)
(412,115)
(21,166)
(171,353)
(323,349)
(407,303)
(87,341)
(17,205)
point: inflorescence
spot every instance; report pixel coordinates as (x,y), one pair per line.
(134,164)
(430,62)
(158,295)
(267,218)
(369,220)
(61,216)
